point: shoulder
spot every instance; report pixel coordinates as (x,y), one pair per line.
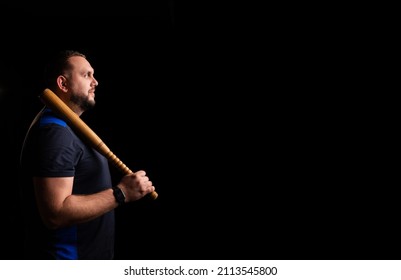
(51,128)
(49,118)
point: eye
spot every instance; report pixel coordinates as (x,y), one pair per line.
(88,75)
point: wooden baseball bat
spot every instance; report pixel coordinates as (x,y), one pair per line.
(51,100)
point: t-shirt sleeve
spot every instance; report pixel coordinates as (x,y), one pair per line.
(57,153)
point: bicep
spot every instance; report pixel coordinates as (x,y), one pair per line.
(51,192)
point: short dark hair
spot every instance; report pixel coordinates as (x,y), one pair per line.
(57,65)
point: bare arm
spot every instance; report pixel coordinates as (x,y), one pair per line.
(58,207)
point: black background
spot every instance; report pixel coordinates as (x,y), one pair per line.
(161,106)
(254,148)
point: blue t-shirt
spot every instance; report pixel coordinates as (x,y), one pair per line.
(52,149)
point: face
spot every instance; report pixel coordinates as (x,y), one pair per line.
(81,83)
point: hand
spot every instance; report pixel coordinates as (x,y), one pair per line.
(136,185)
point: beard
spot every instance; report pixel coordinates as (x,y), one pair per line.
(83,102)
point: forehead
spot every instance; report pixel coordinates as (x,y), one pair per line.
(80,63)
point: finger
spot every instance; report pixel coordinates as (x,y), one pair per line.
(140,173)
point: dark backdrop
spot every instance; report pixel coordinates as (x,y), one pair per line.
(160,107)
(253,146)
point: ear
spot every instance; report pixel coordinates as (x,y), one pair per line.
(62,83)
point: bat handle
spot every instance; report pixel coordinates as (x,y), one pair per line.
(124,169)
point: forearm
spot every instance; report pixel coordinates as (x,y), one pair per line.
(77,209)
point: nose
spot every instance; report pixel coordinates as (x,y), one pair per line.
(95,81)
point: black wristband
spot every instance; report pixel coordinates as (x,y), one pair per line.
(119,195)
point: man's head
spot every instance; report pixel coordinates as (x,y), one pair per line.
(57,66)
(71,77)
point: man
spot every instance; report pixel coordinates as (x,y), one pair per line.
(68,196)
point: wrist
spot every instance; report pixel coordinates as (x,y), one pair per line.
(119,195)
